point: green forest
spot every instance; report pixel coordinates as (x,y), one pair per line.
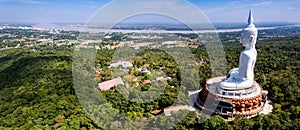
(37,92)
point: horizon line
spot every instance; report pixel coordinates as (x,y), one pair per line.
(15,22)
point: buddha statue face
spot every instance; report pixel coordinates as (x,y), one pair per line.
(248,36)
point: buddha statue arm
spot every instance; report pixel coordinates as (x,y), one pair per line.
(246,70)
(249,74)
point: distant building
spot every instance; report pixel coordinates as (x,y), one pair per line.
(145,70)
(44,41)
(146,81)
(97,70)
(120,63)
(110,84)
(200,63)
(161,79)
(53,31)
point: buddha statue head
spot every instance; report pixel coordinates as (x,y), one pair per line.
(249,34)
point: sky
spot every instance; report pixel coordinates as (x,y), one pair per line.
(79,11)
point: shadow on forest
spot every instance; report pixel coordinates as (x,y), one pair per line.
(28,69)
(30,79)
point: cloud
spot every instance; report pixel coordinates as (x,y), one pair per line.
(263,3)
(25,1)
(167,3)
(232,3)
(289,8)
(32,1)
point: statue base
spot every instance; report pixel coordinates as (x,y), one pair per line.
(245,102)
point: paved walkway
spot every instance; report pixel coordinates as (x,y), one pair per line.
(268,107)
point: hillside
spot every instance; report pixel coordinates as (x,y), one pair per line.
(36,89)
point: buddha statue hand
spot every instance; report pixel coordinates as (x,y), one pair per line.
(233,73)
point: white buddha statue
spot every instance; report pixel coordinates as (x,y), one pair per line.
(243,77)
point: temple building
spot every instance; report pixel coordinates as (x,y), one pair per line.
(104,86)
(236,94)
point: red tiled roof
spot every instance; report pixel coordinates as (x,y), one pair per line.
(110,83)
(146,81)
